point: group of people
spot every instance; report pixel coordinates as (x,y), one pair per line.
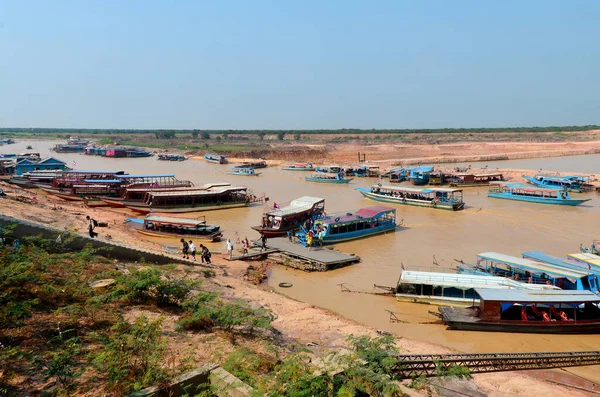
(189,249)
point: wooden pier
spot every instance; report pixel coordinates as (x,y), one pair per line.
(253,253)
(317,258)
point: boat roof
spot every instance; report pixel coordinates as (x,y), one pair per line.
(103,180)
(526,296)
(174,220)
(175,189)
(591,259)
(206,192)
(419,190)
(367,212)
(466,281)
(146,176)
(556,261)
(551,270)
(98,186)
(422,168)
(524,187)
(479,175)
(298,205)
(95,172)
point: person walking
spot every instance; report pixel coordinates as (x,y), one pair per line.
(92,223)
(185,249)
(309,239)
(192,250)
(246,245)
(229,248)
(202,253)
(206,255)
(263,240)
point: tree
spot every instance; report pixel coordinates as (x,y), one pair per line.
(261,135)
(280,135)
(297,136)
(195,135)
(205,135)
(225,135)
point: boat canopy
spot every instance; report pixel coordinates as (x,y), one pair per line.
(548,297)
(129,176)
(174,221)
(591,259)
(163,188)
(466,281)
(363,213)
(298,205)
(418,190)
(371,212)
(525,188)
(532,266)
(194,192)
(96,172)
(103,180)
(559,262)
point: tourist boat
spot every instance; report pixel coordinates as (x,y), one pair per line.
(472,180)
(214,198)
(453,289)
(420,175)
(215,158)
(299,167)
(573,183)
(67,148)
(328,178)
(582,262)
(85,191)
(331,169)
(254,164)
(592,249)
(280,219)
(171,157)
(495,264)
(522,192)
(67,178)
(398,175)
(34,178)
(439,198)
(364,171)
(160,226)
(132,195)
(587,261)
(340,227)
(244,171)
(524,311)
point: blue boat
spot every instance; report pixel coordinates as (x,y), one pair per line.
(574,263)
(337,179)
(366,171)
(244,171)
(437,198)
(299,167)
(331,169)
(420,175)
(215,158)
(336,228)
(573,183)
(495,264)
(171,157)
(398,175)
(522,192)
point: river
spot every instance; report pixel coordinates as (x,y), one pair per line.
(428,239)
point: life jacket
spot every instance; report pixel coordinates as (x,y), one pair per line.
(546,316)
(563,316)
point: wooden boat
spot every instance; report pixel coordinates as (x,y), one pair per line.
(254,164)
(453,289)
(244,171)
(299,167)
(83,191)
(215,158)
(68,148)
(133,195)
(398,175)
(521,192)
(495,264)
(171,157)
(463,179)
(573,183)
(523,311)
(336,228)
(438,198)
(364,171)
(34,179)
(276,222)
(192,200)
(329,169)
(328,178)
(420,175)
(160,226)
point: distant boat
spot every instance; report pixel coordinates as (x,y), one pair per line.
(160,226)
(420,175)
(328,178)
(299,167)
(289,216)
(215,158)
(573,183)
(331,169)
(244,171)
(438,198)
(346,226)
(29,147)
(469,180)
(522,192)
(171,157)
(254,164)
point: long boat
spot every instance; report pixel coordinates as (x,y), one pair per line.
(495,264)
(299,167)
(581,262)
(337,179)
(160,226)
(85,191)
(522,192)
(283,218)
(254,164)
(170,157)
(215,158)
(193,200)
(243,171)
(135,195)
(329,169)
(573,183)
(540,312)
(420,175)
(337,228)
(464,179)
(439,198)
(453,289)
(34,179)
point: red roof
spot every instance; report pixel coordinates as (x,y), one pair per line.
(370,212)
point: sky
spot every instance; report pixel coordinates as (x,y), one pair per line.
(258,64)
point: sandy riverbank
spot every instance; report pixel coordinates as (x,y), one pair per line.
(296,320)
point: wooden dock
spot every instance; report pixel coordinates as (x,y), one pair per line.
(253,253)
(317,258)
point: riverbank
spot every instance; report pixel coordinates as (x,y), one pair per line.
(296,320)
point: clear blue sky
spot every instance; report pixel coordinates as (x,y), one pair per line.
(299,64)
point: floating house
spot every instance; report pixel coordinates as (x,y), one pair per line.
(27,165)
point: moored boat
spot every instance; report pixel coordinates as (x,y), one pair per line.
(521,192)
(420,175)
(540,312)
(283,218)
(254,164)
(463,179)
(299,167)
(329,169)
(160,226)
(573,183)
(215,158)
(439,198)
(171,157)
(244,171)
(340,227)
(133,195)
(328,178)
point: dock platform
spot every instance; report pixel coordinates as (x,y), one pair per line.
(317,258)
(252,254)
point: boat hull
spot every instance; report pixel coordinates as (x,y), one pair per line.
(139,227)
(331,181)
(142,209)
(412,202)
(539,200)
(64,196)
(330,239)
(113,202)
(297,169)
(95,202)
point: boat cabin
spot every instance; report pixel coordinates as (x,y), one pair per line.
(467,179)
(180,226)
(593,266)
(199,198)
(291,215)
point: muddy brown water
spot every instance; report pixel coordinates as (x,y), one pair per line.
(429,239)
